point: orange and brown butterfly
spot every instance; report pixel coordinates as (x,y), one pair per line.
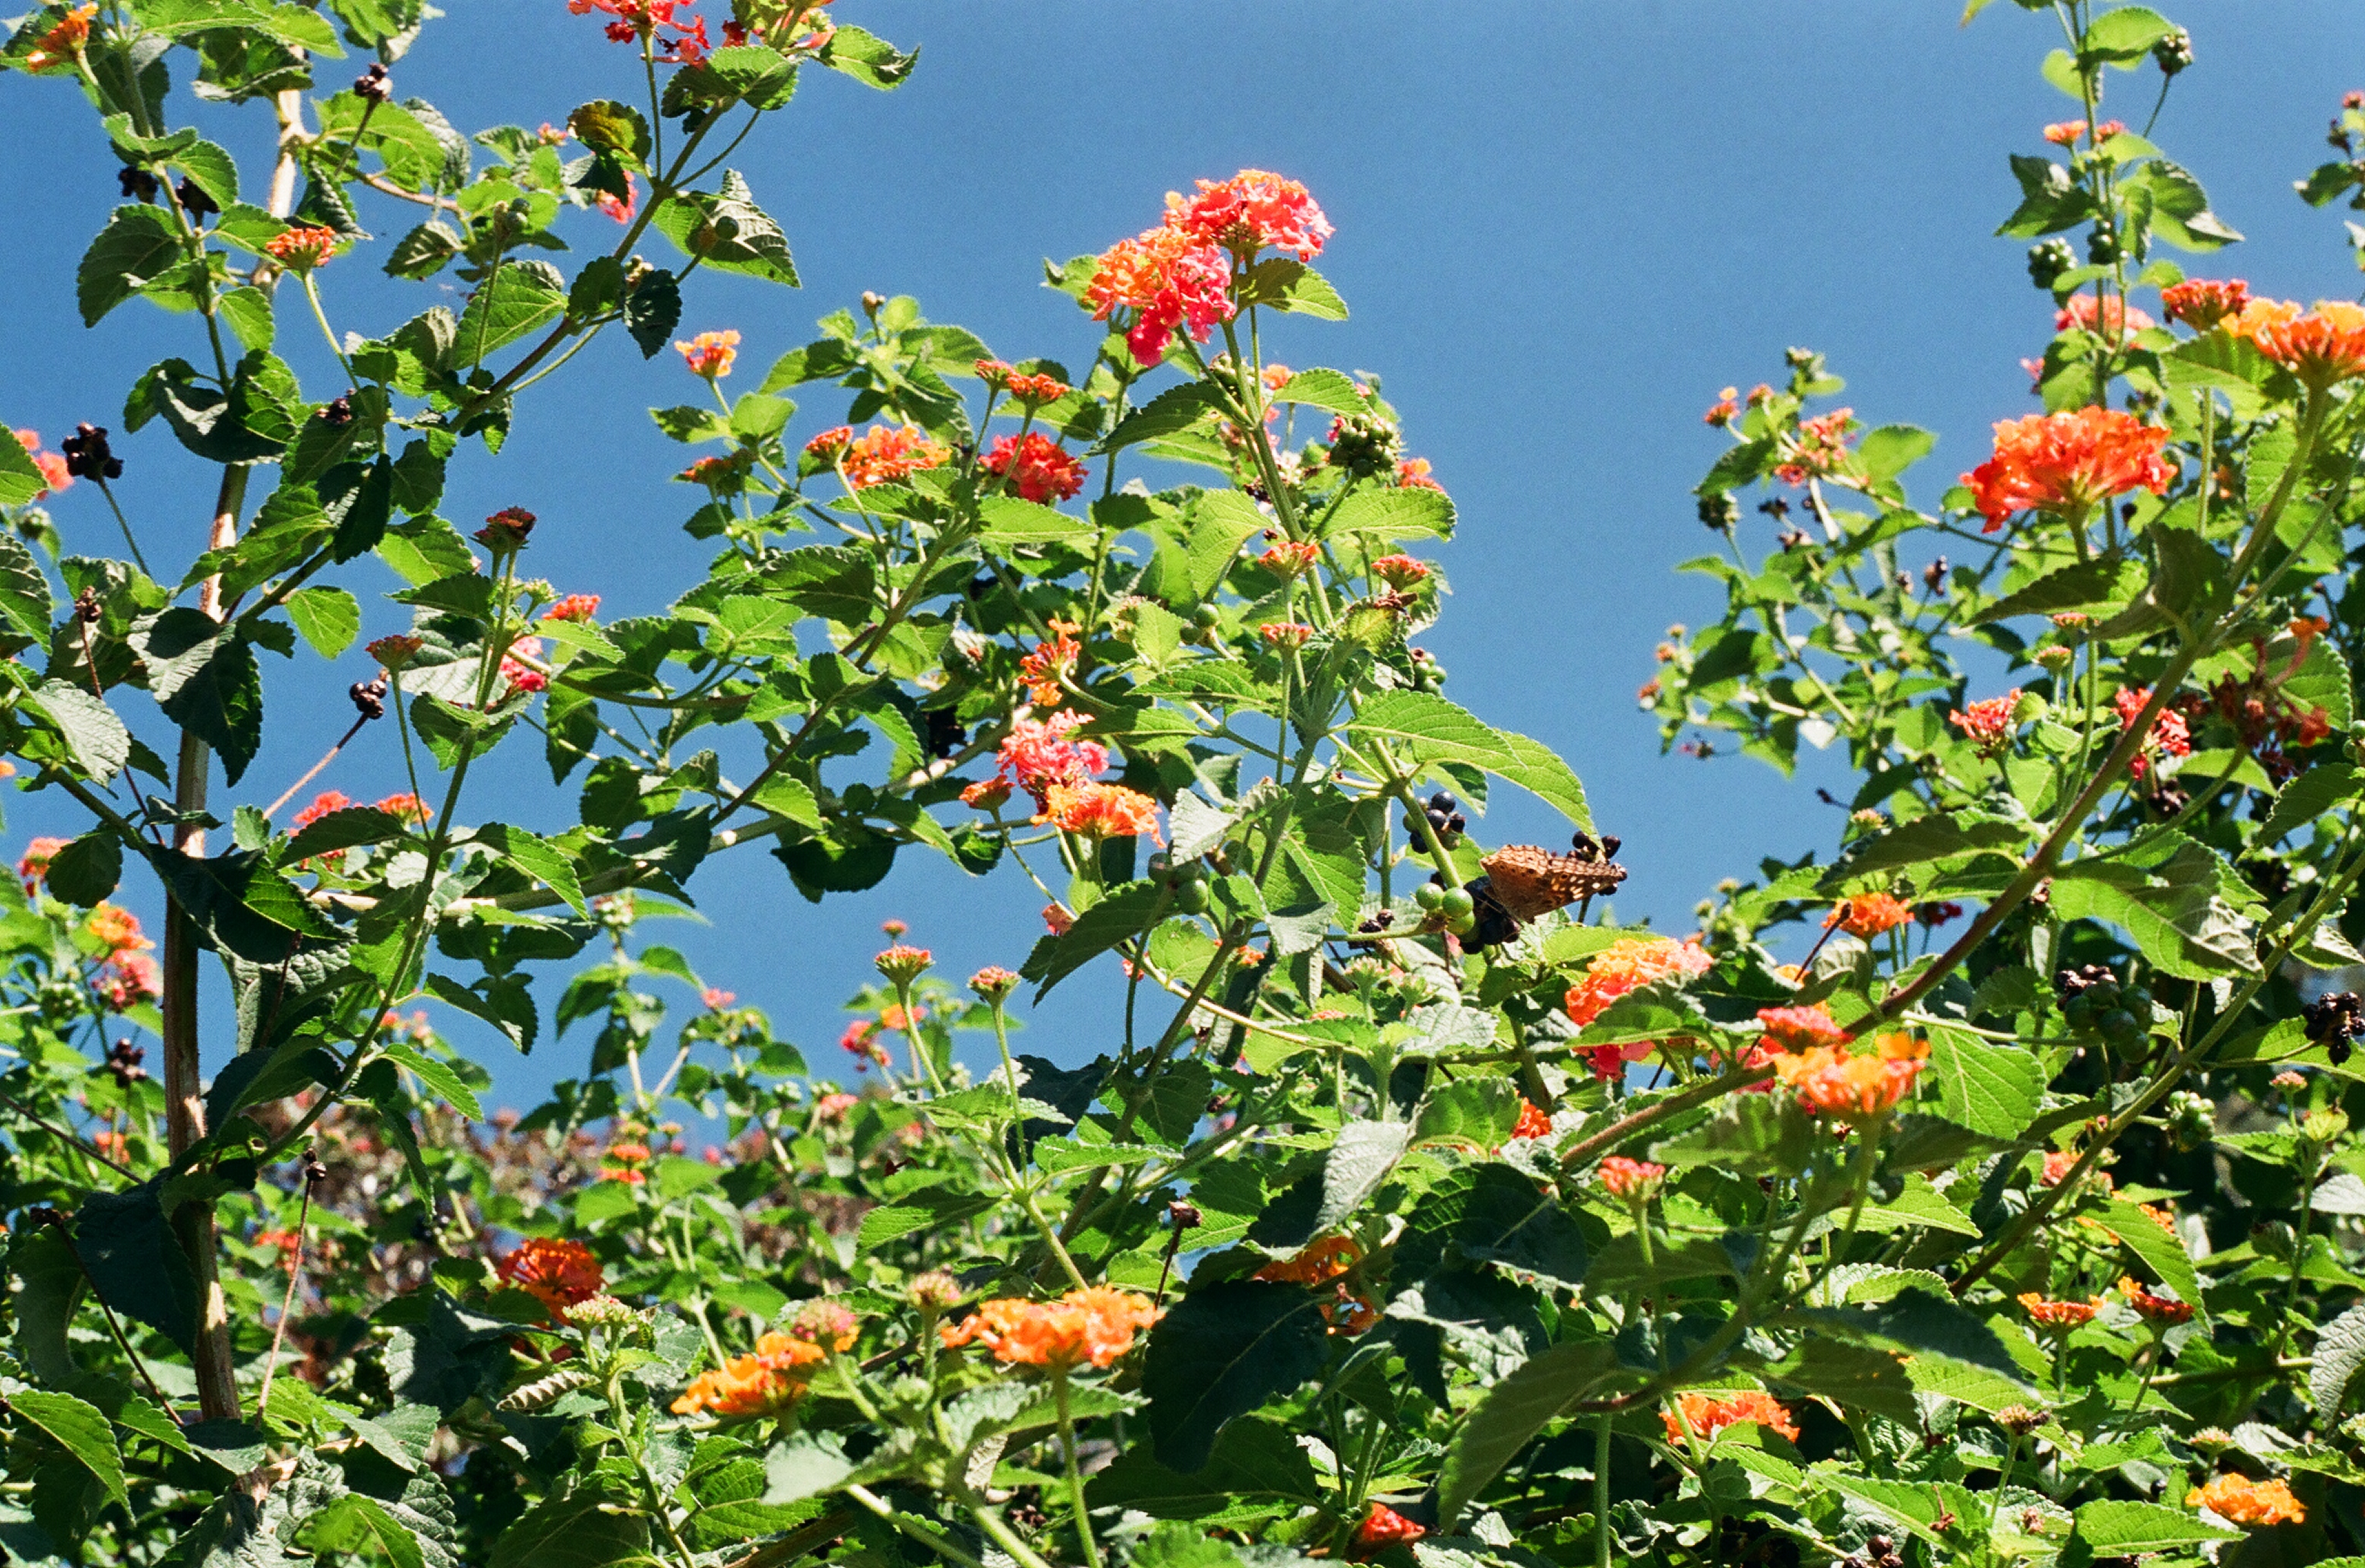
(1530,882)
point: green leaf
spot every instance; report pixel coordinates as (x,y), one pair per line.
(572,1528)
(94,736)
(342,830)
(135,1262)
(1171,412)
(1890,450)
(1358,1162)
(1125,913)
(24,590)
(1916,1322)
(869,59)
(804,1466)
(355,1523)
(204,676)
(1427,728)
(1325,389)
(86,870)
(248,311)
(77,1427)
(2339,1351)
(137,244)
(20,480)
(2161,1253)
(1490,1214)
(1009,520)
(329,618)
(541,860)
(2116,1528)
(522,297)
(728,231)
(1989,1087)
(653,309)
(1221,1352)
(1476,1112)
(2125,34)
(1511,1414)
(441,1082)
(1283,283)
(501,1000)
(2088,585)
(1392,515)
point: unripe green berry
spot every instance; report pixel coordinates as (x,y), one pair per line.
(1429,896)
(1459,902)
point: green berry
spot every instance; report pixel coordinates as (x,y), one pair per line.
(1459,902)
(2121,1027)
(1461,924)
(1429,896)
(1158,866)
(1191,897)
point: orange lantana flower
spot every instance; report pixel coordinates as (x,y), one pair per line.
(1706,1415)
(1319,1263)
(760,1384)
(1534,1122)
(1096,1323)
(558,1273)
(2247,1501)
(1630,1180)
(2319,346)
(887,453)
(709,353)
(2064,463)
(1988,723)
(1831,1082)
(2064,1315)
(1101,810)
(1041,669)
(1629,965)
(2161,1309)
(1867,916)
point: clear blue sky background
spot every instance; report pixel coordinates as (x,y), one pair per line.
(1560,229)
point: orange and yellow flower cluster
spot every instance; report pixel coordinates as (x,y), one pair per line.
(2247,1501)
(1831,1082)
(558,1273)
(1706,1415)
(2064,464)
(1094,1324)
(763,1384)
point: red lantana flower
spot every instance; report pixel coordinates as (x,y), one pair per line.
(2200,303)
(1988,723)
(1038,468)
(1251,211)
(1168,280)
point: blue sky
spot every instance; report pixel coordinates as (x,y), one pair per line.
(1560,229)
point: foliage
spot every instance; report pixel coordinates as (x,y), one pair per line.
(1411,1214)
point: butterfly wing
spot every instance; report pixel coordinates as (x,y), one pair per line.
(1530,882)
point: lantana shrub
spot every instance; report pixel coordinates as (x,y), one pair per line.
(1980,1192)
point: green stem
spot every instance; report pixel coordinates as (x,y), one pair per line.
(1601,1493)
(1075,1476)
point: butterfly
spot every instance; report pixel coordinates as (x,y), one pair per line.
(1529,880)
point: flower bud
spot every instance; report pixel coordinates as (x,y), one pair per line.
(993,983)
(935,1291)
(826,1323)
(902,964)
